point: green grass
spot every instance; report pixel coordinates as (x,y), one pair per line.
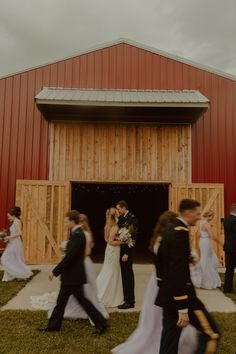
(18,329)
(233,295)
(10,289)
(18,334)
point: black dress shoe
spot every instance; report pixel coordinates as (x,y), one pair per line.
(100,330)
(47,329)
(125,306)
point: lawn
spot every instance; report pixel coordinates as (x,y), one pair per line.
(10,289)
(19,335)
(18,332)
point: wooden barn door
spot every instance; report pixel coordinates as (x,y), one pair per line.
(211,196)
(43,205)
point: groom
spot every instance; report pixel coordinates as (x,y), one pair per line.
(73,277)
(126,219)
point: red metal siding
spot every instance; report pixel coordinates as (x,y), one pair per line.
(24,132)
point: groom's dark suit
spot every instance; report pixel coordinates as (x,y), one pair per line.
(127,267)
(230,251)
(72,272)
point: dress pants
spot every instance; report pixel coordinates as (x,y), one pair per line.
(230,262)
(200,319)
(77,290)
(128,280)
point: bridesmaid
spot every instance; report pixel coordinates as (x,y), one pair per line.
(208,259)
(209,277)
(13,259)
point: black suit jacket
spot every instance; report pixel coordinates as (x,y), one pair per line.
(172,268)
(126,221)
(71,268)
(230,233)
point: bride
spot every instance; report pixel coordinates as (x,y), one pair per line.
(109,281)
(147,336)
(73,310)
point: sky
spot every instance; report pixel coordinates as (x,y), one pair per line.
(36,32)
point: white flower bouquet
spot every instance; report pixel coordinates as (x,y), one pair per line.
(125,236)
(63,246)
(194,258)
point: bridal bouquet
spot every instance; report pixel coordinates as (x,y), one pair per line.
(125,236)
(63,246)
(3,234)
(194,258)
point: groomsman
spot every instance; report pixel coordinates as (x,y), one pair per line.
(176,293)
(73,277)
(230,248)
(127,219)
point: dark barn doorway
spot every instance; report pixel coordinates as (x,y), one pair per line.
(146,201)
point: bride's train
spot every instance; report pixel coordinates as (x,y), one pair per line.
(73,310)
(147,336)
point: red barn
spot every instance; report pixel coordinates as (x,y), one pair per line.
(118,121)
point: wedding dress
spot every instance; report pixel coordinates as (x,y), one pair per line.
(13,257)
(147,336)
(109,281)
(73,310)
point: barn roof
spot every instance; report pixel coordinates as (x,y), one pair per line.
(137,45)
(141,98)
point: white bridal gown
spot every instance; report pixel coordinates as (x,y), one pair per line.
(206,275)
(13,258)
(109,281)
(73,310)
(147,336)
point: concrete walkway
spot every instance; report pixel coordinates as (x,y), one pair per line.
(214,300)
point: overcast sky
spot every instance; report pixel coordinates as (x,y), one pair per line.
(34,32)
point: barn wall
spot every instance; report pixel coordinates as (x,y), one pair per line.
(119,152)
(24,134)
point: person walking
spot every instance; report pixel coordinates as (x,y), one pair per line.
(230,249)
(176,293)
(73,277)
(12,260)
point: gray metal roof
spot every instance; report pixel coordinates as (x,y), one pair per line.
(169,98)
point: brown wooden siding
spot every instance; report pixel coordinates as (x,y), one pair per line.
(119,152)
(44,205)
(211,196)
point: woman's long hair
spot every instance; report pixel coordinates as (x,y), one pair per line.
(84,222)
(168,217)
(111,220)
